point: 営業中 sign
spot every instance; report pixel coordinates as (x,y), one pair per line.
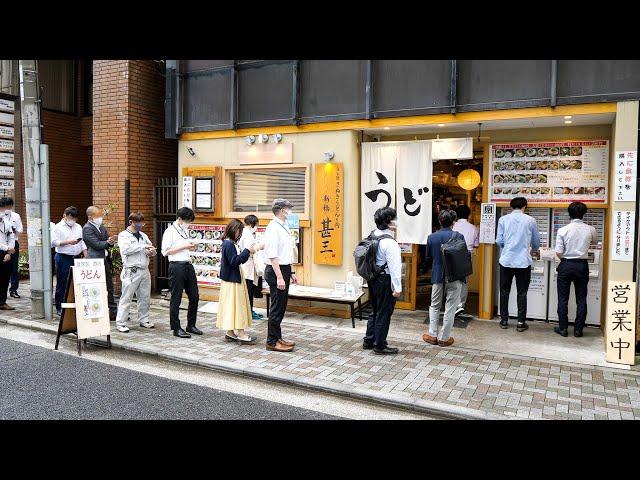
(621,322)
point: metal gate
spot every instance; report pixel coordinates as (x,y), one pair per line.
(165,206)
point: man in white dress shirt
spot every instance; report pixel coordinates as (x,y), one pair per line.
(7,250)
(278,272)
(67,240)
(15,222)
(135,251)
(182,276)
(472,238)
(387,286)
(572,247)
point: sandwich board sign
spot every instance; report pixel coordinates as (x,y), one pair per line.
(86,311)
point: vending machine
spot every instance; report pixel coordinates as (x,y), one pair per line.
(537,296)
(596,219)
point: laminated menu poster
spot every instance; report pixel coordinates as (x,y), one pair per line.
(206,258)
(549,172)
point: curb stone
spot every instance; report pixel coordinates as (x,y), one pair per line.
(398,401)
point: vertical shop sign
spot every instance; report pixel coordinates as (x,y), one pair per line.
(328,213)
(623,235)
(187,192)
(488,223)
(7,145)
(626,174)
(621,322)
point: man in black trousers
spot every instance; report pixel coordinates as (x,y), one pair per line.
(572,247)
(182,276)
(98,242)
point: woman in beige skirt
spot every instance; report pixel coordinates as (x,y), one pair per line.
(234,311)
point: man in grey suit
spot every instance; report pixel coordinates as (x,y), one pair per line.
(98,242)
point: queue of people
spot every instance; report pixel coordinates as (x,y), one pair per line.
(245,262)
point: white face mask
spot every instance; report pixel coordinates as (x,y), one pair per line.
(97,221)
(8,212)
(287,213)
(71,223)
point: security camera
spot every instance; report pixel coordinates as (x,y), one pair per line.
(328,156)
(191,152)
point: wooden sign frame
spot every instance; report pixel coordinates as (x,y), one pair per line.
(68,320)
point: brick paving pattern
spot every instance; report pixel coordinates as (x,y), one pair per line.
(499,384)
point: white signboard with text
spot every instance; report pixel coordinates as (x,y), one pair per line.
(488,223)
(624,227)
(90,289)
(626,173)
(187,192)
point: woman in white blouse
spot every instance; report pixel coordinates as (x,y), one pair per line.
(249,268)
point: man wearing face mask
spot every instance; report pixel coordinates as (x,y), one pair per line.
(387,286)
(135,250)
(67,240)
(7,250)
(182,276)
(98,241)
(278,253)
(15,222)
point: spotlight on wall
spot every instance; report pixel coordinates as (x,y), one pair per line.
(191,152)
(263,138)
(251,139)
(277,137)
(328,156)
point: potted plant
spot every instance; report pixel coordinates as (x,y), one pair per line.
(114,252)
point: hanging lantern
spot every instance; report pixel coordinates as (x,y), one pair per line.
(469,179)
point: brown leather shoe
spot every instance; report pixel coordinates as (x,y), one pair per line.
(429,339)
(6,307)
(287,343)
(447,343)
(279,347)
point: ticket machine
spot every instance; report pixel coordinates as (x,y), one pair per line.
(537,297)
(594,297)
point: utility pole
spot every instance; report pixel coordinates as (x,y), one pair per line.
(36,186)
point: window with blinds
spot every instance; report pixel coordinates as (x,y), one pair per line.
(255,190)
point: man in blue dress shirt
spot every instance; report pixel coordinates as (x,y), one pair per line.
(517,236)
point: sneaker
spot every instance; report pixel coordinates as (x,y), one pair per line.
(521,327)
(459,310)
(147,325)
(122,328)
(255,316)
(14,294)
(504,324)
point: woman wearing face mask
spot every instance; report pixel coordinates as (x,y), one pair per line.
(135,250)
(250,270)
(234,311)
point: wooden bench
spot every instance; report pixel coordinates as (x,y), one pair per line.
(314,294)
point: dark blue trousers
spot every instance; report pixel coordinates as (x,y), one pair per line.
(63,266)
(15,277)
(382,304)
(576,271)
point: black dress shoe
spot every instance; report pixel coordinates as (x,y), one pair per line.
(385,351)
(521,327)
(577,333)
(181,333)
(14,294)
(564,333)
(504,323)
(367,346)
(195,330)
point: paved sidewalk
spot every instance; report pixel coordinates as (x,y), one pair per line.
(455,382)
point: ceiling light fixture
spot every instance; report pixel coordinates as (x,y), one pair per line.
(251,139)
(277,137)
(567,117)
(441,124)
(567,122)
(263,138)
(387,128)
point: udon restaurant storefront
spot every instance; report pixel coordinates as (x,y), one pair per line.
(336,174)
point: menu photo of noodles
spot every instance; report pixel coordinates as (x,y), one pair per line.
(549,172)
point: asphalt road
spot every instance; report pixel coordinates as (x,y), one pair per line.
(41,384)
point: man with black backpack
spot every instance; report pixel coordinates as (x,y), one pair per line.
(444,283)
(379,262)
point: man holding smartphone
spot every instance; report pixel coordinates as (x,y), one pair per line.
(66,238)
(98,241)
